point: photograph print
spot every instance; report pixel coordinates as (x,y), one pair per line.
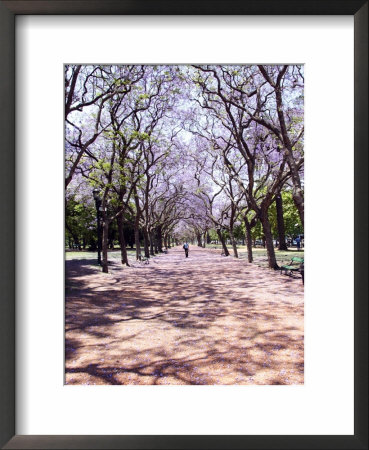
(184,224)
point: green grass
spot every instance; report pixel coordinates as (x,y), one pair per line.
(261,258)
(82,254)
(260,254)
(113,255)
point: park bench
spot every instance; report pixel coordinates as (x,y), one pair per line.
(295,265)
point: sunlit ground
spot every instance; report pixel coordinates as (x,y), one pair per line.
(206,319)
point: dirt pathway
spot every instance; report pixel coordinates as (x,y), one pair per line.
(205,319)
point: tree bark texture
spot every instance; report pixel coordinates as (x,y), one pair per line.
(137,240)
(152,243)
(146,242)
(234,245)
(248,240)
(272,261)
(160,239)
(122,241)
(222,240)
(105,236)
(280,223)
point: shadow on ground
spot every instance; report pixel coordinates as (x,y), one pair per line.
(201,320)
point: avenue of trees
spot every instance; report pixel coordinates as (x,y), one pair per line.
(201,153)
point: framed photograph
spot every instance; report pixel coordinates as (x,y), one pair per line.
(92,92)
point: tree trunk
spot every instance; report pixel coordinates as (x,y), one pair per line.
(280,223)
(298,198)
(156,241)
(152,242)
(234,245)
(160,239)
(122,242)
(297,194)
(111,238)
(225,249)
(272,262)
(104,246)
(137,240)
(76,241)
(146,242)
(248,240)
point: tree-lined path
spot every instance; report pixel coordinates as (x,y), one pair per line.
(202,320)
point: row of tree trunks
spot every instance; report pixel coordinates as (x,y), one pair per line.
(167,241)
(268,238)
(154,240)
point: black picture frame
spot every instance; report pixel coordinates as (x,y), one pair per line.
(8,11)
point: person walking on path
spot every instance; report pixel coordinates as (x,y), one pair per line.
(298,243)
(186,247)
